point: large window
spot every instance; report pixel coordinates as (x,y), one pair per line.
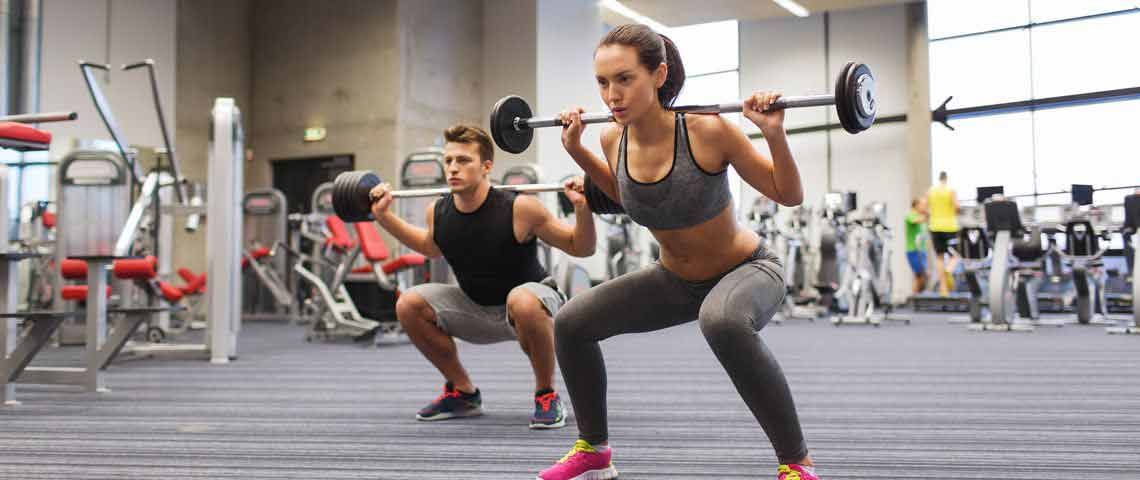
(985,52)
(981,70)
(948,18)
(1086,55)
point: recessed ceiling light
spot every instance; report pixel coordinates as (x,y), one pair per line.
(791,6)
(620,9)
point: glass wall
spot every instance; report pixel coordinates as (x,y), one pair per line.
(985,52)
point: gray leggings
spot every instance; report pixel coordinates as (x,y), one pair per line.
(731,308)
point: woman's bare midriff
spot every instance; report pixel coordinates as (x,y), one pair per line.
(704,251)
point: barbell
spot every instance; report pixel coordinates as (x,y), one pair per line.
(512,122)
(352,199)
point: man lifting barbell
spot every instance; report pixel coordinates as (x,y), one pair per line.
(488,237)
(668,170)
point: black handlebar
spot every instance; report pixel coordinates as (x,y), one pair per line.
(132,66)
(100,66)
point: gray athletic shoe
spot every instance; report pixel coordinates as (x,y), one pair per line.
(548,412)
(452,404)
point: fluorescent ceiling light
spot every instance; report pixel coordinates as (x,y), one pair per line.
(617,7)
(791,6)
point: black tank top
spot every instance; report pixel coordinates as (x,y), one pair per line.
(482,250)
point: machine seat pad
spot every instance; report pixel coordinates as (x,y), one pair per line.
(73,269)
(406,260)
(171,293)
(195,284)
(77,292)
(338,234)
(136,268)
(23,133)
(371,243)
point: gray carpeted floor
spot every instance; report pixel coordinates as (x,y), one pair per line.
(925,401)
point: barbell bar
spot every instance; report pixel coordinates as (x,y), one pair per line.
(513,123)
(352,194)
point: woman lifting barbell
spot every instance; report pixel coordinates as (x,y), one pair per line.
(668,171)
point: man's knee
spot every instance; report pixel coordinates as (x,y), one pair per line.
(525,309)
(412,307)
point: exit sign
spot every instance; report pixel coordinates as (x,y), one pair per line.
(315,134)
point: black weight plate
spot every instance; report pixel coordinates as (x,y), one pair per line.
(862,116)
(341,206)
(335,194)
(564,204)
(351,209)
(503,130)
(347,196)
(590,191)
(368,180)
(843,98)
(599,202)
(361,198)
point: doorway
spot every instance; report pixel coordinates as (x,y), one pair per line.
(298,178)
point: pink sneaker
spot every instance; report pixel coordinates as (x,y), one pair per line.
(583,462)
(795,472)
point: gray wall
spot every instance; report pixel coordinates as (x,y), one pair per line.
(383,77)
(214,60)
(567,34)
(386,76)
(441,76)
(882,163)
(510,63)
(314,65)
(112,32)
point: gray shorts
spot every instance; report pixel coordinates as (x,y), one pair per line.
(462,318)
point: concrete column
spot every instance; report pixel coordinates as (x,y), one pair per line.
(510,56)
(214,50)
(568,31)
(440,72)
(918,101)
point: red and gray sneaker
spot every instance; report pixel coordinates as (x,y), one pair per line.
(548,412)
(795,472)
(584,462)
(452,404)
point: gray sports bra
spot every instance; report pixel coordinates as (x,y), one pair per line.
(686,196)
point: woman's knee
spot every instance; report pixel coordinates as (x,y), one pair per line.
(718,322)
(742,310)
(572,320)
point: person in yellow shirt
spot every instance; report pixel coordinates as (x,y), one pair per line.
(942,202)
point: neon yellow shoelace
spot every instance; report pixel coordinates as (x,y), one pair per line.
(579,446)
(788,472)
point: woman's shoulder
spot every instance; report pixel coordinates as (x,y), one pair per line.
(611,134)
(707,126)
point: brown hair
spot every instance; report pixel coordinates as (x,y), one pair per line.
(471,134)
(653,49)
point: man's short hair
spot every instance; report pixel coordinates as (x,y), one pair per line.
(942,175)
(471,134)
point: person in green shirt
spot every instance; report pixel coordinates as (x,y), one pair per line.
(915,250)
